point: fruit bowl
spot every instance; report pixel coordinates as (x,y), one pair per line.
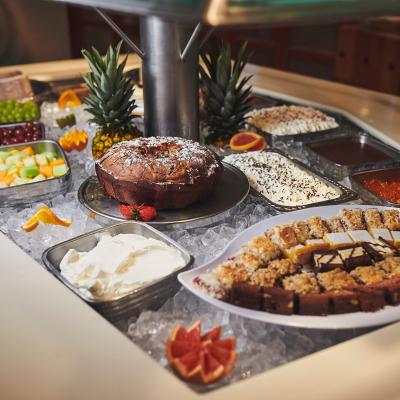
(34,189)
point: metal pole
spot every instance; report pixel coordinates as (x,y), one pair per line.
(171,97)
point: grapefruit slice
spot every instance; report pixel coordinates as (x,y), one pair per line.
(200,358)
(259,146)
(244,140)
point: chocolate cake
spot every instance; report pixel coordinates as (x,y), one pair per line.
(164,172)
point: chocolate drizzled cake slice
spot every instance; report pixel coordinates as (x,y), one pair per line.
(378,249)
(326,260)
(354,256)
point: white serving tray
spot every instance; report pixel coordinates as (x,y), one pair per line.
(340,321)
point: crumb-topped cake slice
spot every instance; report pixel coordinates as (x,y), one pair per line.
(283,235)
(304,283)
(263,247)
(316,227)
(352,219)
(335,280)
(391,219)
(334,224)
(391,266)
(368,275)
(373,219)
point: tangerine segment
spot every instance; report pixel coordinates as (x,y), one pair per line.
(30,225)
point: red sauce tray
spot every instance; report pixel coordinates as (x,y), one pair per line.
(378,186)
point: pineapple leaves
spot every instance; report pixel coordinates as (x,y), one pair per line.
(226,93)
(110,90)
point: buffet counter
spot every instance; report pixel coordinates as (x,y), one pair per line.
(54,346)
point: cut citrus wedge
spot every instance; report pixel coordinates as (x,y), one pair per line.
(31,224)
(244,140)
(47,216)
(68,98)
(259,146)
(203,359)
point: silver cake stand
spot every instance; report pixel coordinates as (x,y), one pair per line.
(232,188)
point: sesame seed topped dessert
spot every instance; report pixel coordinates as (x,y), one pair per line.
(280,180)
(315,267)
(165,172)
(291,120)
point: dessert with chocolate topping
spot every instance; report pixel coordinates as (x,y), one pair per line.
(314,267)
(165,172)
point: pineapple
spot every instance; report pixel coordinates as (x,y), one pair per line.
(109,99)
(226,99)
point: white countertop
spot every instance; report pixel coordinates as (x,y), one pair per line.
(54,346)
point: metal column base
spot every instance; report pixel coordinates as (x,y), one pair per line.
(171,97)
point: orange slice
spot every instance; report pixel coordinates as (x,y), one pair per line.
(31,224)
(47,216)
(68,98)
(244,140)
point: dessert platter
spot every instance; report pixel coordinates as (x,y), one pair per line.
(183,180)
(329,267)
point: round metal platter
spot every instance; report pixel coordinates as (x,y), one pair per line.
(232,188)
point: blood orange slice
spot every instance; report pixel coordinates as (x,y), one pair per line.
(197,358)
(244,140)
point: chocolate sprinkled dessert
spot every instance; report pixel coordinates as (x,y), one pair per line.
(164,172)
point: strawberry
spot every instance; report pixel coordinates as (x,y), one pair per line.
(139,213)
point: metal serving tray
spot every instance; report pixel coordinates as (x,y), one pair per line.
(346,193)
(150,296)
(267,102)
(39,124)
(339,171)
(366,194)
(32,192)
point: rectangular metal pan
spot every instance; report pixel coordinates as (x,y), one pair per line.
(338,171)
(39,124)
(150,296)
(29,193)
(346,193)
(267,102)
(366,194)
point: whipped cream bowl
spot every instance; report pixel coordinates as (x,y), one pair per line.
(141,275)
